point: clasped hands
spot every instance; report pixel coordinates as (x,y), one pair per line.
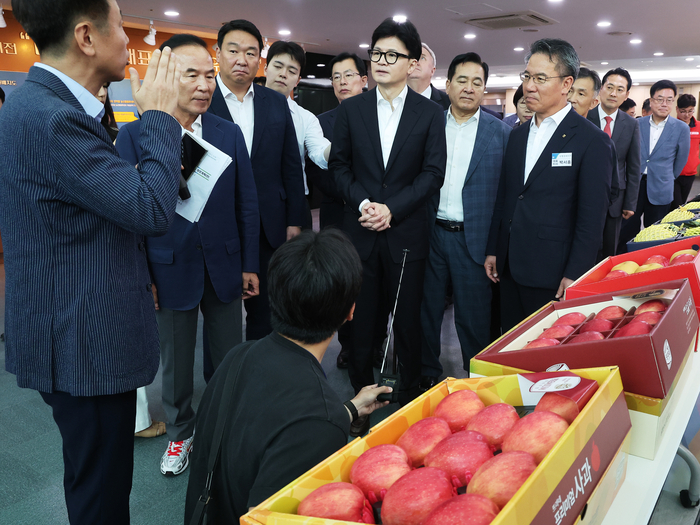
(375,216)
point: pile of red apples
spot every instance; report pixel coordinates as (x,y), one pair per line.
(610,322)
(489,450)
(652,263)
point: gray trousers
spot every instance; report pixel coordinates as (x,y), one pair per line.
(178,337)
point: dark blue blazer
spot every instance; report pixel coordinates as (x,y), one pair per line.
(321,178)
(224,240)
(552,226)
(275,159)
(414,172)
(481,184)
(79,312)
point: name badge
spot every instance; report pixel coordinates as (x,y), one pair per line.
(561,159)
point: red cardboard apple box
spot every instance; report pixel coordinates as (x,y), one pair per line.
(648,363)
(555,493)
(591,282)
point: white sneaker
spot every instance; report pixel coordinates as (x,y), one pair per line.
(176,457)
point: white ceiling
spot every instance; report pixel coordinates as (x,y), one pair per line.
(331,26)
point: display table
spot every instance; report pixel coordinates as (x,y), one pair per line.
(636,500)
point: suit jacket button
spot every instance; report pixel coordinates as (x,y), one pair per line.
(199,246)
(520,197)
(142,246)
(384,185)
(149,287)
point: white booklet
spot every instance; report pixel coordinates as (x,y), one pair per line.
(202,181)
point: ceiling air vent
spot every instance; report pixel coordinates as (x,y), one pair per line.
(511,20)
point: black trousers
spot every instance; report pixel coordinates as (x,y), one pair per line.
(258,308)
(98,455)
(681,190)
(518,301)
(652,213)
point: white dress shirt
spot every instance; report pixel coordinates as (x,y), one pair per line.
(602,114)
(196,128)
(309,137)
(540,136)
(87,100)
(460,146)
(655,131)
(428,91)
(242,112)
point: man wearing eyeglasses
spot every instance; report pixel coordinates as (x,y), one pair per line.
(553,193)
(388,158)
(665,144)
(685,109)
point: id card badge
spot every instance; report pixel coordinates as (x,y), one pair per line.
(561,159)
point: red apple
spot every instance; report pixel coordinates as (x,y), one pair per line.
(536,433)
(648,317)
(556,331)
(630,329)
(564,406)
(679,253)
(460,455)
(500,478)
(466,509)
(586,336)
(611,312)
(494,422)
(415,495)
(421,438)
(337,501)
(683,258)
(615,274)
(654,305)
(458,408)
(537,343)
(378,468)
(597,325)
(572,319)
(658,259)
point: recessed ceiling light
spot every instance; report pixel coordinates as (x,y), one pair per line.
(487,91)
(171,13)
(320,65)
(635,41)
(555,1)
(514,87)
(659,54)
(470,35)
(604,63)
(603,24)
(438,78)
(635,83)
(310,76)
(518,49)
(285,32)
(689,59)
(364,46)
(400,18)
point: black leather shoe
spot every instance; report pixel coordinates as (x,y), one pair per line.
(342,360)
(360,426)
(427,382)
(378,357)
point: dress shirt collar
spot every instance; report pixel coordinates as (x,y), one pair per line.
(87,100)
(292,104)
(398,101)
(428,91)
(660,124)
(602,114)
(450,118)
(226,92)
(556,118)
(196,127)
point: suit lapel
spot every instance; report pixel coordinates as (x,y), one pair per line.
(619,129)
(409,117)
(664,137)
(369,116)
(260,119)
(211,132)
(484,132)
(562,135)
(644,130)
(218,105)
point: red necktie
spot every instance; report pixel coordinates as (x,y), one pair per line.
(607,129)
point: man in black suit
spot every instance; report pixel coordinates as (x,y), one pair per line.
(624,131)
(554,190)
(420,80)
(388,158)
(264,118)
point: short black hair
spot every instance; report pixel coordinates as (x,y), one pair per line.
(646,106)
(560,52)
(2,96)
(621,71)
(662,84)
(260,81)
(359,63)
(465,58)
(686,101)
(239,25)
(584,72)
(519,93)
(183,39)
(628,104)
(292,49)
(50,22)
(313,281)
(404,31)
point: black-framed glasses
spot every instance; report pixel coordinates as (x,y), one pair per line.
(390,56)
(538,79)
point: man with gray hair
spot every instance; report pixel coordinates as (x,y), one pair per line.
(420,80)
(554,190)
(584,93)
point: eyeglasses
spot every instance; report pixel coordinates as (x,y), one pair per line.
(537,79)
(660,100)
(347,76)
(391,56)
(688,111)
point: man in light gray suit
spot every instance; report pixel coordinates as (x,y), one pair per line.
(624,131)
(460,216)
(665,145)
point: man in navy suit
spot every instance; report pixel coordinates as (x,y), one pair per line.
(460,217)
(554,190)
(665,145)
(264,118)
(388,158)
(79,322)
(204,265)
